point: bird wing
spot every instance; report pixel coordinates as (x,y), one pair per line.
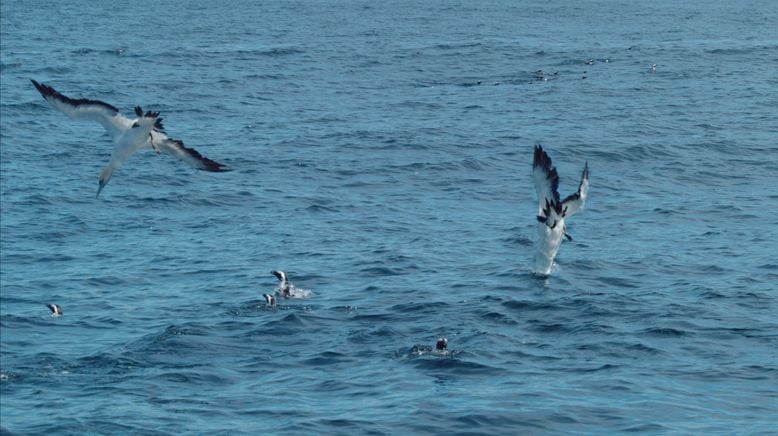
(575,202)
(176,148)
(84,109)
(546,181)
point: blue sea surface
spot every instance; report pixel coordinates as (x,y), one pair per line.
(382,157)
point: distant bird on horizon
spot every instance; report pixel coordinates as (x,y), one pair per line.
(552,211)
(56,310)
(129,134)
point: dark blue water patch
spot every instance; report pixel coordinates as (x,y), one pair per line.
(104,281)
(331,425)
(546,327)
(104,322)
(194,378)
(757,372)
(711,294)
(10,65)
(663,332)
(318,208)
(478,420)
(618,282)
(11,321)
(734,333)
(498,318)
(376,335)
(451,366)
(375,317)
(53,71)
(328,358)
(529,306)
(518,240)
(640,348)
(69,425)
(380,271)
(593,328)
(420,308)
(339,425)
(85,51)
(36,200)
(289,324)
(643,428)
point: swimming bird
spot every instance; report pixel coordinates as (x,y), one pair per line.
(551,211)
(284,287)
(129,134)
(271,299)
(56,310)
(288,290)
(441,344)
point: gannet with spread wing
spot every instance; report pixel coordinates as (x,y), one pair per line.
(129,134)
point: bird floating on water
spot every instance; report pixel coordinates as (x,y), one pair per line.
(270,299)
(56,309)
(552,211)
(129,134)
(442,344)
(287,289)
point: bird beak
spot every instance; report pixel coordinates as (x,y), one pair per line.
(102,185)
(105,176)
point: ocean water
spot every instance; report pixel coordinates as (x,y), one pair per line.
(382,155)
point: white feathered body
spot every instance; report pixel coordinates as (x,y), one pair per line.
(547,247)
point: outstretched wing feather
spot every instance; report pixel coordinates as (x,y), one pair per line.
(546,181)
(575,202)
(82,108)
(176,148)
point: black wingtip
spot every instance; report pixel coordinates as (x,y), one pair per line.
(214,167)
(44,89)
(541,158)
(49,92)
(538,156)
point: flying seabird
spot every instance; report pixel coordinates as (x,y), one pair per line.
(129,134)
(551,211)
(56,310)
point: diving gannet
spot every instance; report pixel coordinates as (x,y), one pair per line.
(551,211)
(128,134)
